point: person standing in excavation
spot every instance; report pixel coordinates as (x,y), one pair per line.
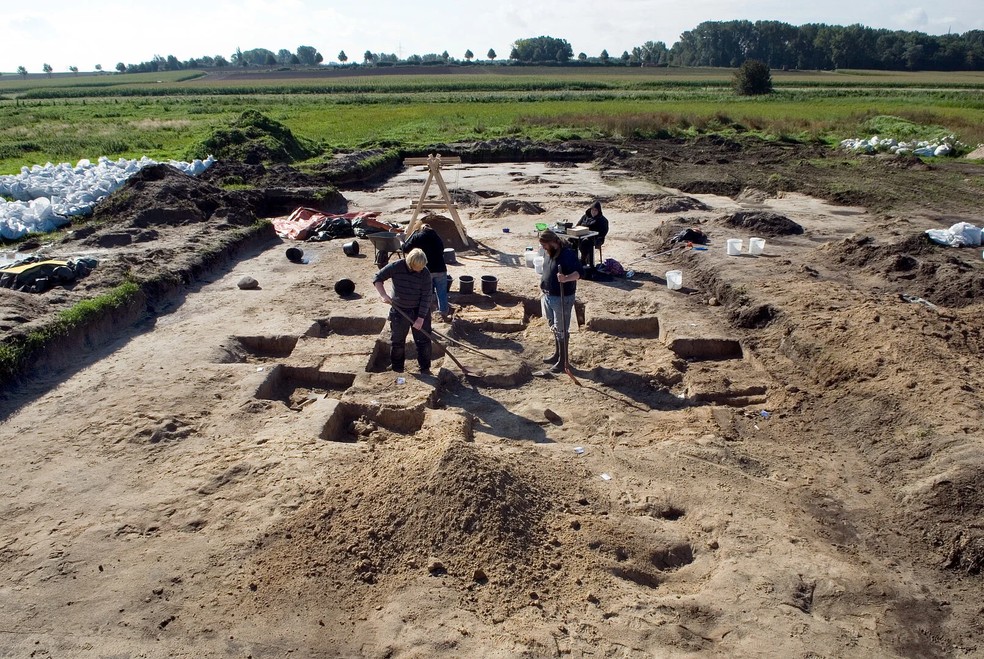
(412,296)
(427,239)
(561,271)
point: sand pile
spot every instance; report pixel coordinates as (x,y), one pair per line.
(441,509)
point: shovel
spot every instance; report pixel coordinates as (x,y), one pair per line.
(447,351)
(566,339)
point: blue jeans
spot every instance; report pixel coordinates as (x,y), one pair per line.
(440,280)
(553,314)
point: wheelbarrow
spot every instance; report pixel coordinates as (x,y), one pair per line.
(385,244)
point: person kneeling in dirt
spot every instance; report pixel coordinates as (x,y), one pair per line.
(411,302)
(427,239)
(594,220)
(561,271)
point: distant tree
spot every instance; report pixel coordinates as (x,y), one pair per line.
(415,59)
(21,71)
(753,78)
(514,53)
(652,53)
(99,67)
(74,69)
(121,67)
(491,55)
(538,49)
(342,57)
(238,59)
(173,64)
(47,69)
(368,57)
(221,61)
(309,56)
(284,57)
(445,57)
(582,57)
(469,55)
(625,57)
(604,56)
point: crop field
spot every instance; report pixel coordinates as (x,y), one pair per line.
(167,115)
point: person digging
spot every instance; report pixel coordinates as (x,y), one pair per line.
(558,284)
(411,299)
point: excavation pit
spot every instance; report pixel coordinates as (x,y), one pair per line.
(295,386)
(351,421)
(379,360)
(673,557)
(701,349)
(349,326)
(240,349)
(639,326)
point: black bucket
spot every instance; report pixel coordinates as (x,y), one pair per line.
(295,254)
(344,287)
(351,248)
(466,284)
(489,284)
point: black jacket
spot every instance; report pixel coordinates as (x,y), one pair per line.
(597,223)
(430,241)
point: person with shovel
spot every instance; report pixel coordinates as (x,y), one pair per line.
(561,271)
(411,307)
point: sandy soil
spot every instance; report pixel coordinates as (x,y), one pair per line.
(783,458)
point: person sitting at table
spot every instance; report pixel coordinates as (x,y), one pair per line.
(594,220)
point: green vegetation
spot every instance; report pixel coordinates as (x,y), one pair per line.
(187,114)
(14,354)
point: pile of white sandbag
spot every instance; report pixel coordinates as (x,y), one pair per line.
(45,197)
(947,146)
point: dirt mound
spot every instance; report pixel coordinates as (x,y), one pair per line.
(446,229)
(916,266)
(513,207)
(161,195)
(444,508)
(466,198)
(678,204)
(765,223)
(255,138)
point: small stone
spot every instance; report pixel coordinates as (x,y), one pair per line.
(712,302)
(248,283)
(480,576)
(713,544)
(551,416)
(436,567)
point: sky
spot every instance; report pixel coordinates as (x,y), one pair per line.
(65,33)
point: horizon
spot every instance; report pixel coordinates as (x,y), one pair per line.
(188,30)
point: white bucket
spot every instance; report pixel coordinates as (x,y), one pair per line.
(734,246)
(538,264)
(756,246)
(530,256)
(674,280)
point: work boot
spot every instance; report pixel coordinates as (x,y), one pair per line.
(556,353)
(561,358)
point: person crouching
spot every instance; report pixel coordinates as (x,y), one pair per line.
(561,271)
(412,290)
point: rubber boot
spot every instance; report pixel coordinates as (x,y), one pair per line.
(561,358)
(552,359)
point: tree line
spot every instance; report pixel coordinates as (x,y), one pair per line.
(819,46)
(712,43)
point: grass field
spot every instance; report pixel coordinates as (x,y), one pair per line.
(167,115)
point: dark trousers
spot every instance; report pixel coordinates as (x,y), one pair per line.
(399,328)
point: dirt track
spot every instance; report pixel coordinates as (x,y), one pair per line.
(794,449)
